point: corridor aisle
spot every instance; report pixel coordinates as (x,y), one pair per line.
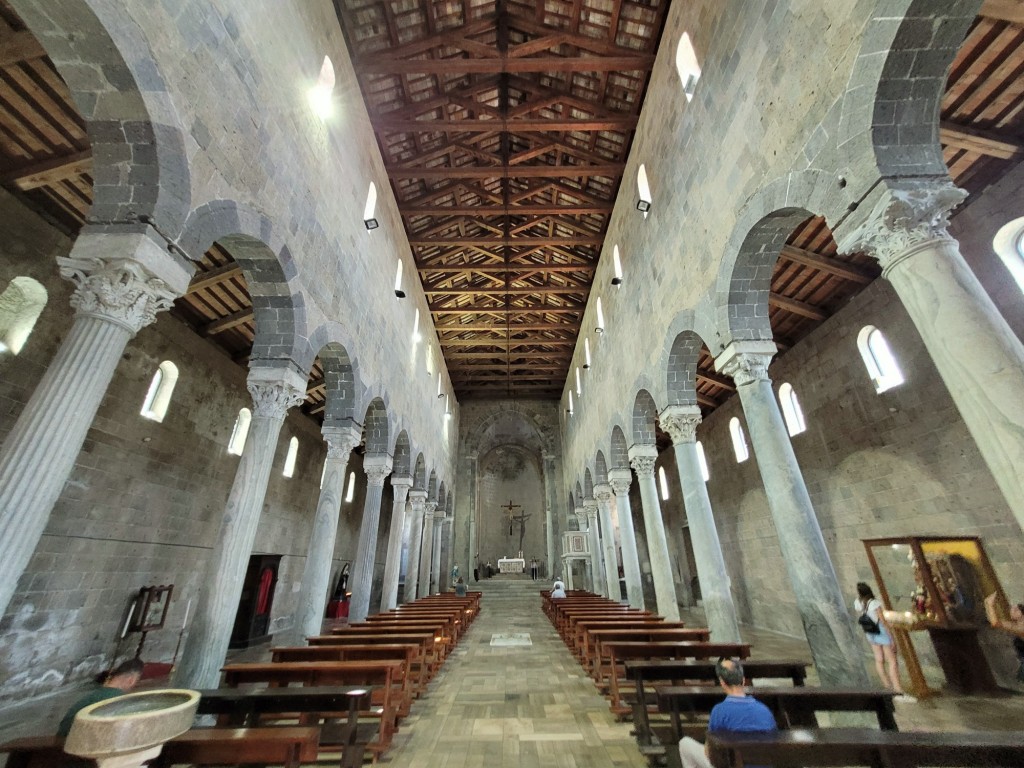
(512,706)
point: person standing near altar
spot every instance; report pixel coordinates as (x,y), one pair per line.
(533,568)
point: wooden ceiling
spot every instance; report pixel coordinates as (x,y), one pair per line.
(508,310)
(505,127)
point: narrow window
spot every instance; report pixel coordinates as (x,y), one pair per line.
(430,360)
(351,492)
(791,410)
(687,66)
(369,217)
(643,188)
(586,352)
(739,440)
(160,390)
(1009,246)
(439,393)
(398,281)
(240,432)
(878,359)
(703,461)
(617,265)
(570,403)
(321,95)
(579,385)
(416,327)
(600,317)
(20,306)
(289,459)
(323,474)
(663,482)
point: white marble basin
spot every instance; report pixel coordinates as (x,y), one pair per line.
(130,729)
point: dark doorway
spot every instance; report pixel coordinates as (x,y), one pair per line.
(252,622)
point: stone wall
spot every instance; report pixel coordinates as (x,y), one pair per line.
(145,499)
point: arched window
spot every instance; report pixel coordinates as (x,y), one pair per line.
(241,431)
(663,483)
(687,66)
(20,306)
(643,189)
(570,403)
(321,95)
(1009,246)
(430,360)
(416,327)
(791,410)
(350,493)
(160,390)
(878,359)
(600,317)
(703,461)
(586,352)
(289,459)
(579,384)
(739,440)
(616,266)
(398,281)
(369,212)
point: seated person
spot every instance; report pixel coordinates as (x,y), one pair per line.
(460,587)
(120,681)
(739,713)
(558,589)
(1015,625)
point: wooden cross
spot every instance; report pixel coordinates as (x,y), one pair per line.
(521,518)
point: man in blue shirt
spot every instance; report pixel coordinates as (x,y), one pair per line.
(739,713)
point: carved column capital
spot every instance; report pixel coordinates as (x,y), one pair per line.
(401,481)
(340,441)
(746,361)
(906,217)
(681,422)
(429,507)
(377,468)
(620,480)
(274,391)
(603,493)
(119,290)
(590,508)
(418,499)
(642,459)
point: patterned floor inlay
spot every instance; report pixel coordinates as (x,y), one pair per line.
(511,640)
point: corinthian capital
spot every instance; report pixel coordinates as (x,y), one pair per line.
(590,508)
(429,507)
(340,441)
(118,290)
(642,459)
(746,361)
(620,480)
(603,493)
(904,217)
(681,421)
(376,468)
(274,391)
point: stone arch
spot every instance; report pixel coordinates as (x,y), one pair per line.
(645,415)
(588,484)
(140,163)
(402,461)
(579,494)
(339,381)
(619,449)
(600,469)
(419,474)
(682,369)
(376,429)
(476,436)
(432,486)
(279,305)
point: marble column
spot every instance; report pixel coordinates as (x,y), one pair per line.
(826,619)
(435,555)
(550,504)
(588,564)
(377,468)
(567,567)
(681,421)
(597,537)
(605,499)
(393,565)
(620,480)
(426,549)
(418,501)
(977,354)
(472,547)
(642,458)
(273,393)
(122,282)
(316,573)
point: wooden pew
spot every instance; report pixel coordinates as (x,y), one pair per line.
(449,620)
(613,653)
(431,651)
(414,680)
(863,746)
(290,746)
(579,628)
(439,629)
(645,672)
(596,639)
(565,619)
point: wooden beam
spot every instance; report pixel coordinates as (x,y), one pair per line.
(466,368)
(611,170)
(499,65)
(16,47)
(213,277)
(512,210)
(477,310)
(525,242)
(1003,10)
(845,270)
(43,173)
(227,323)
(535,342)
(977,140)
(515,355)
(797,307)
(706,401)
(515,328)
(500,269)
(538,289)
(717,379)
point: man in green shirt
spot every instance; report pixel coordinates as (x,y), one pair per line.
(120,681)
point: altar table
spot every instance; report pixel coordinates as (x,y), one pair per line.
(511,565)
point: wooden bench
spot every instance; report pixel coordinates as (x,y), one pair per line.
(863,746)
(431,651)
(289,746)
(412,654)
(439,629)
(596,640)
(644,672)
(578,629)
(565,620)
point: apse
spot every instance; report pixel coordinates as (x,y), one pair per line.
(511,475)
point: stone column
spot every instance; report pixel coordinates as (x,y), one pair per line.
(377,468)
(393,565)
(681,421)
(596,553)
(550,504)
(605,499)
(472,547)
(418,501)
(567,567)
(122,281)
(317,570)
(826,619)
(273,393)
(588,564)
(426,549)
(642,458)
(977,354)
(435,555)
(620,480)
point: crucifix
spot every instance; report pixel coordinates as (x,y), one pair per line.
(521,518)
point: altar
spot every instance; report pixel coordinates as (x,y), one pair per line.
(511,565)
